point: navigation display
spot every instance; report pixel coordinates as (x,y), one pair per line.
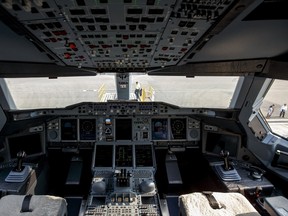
(178,128)
(144,156)
(123,129)
(69,129)
(159,129)
(87,129)
(104,156)
(124,156)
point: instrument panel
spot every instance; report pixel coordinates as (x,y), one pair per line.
(123,129)
(122,122)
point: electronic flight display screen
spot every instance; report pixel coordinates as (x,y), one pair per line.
(159,129)
(69,129)
(87,129)
(123,127)
(104,156)
(178,128)
(124,156)
(144,156)
(31,144)
(217,142)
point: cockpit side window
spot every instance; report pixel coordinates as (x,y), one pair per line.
(274,101)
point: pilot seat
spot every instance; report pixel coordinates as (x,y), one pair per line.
(33,205)
(215,204)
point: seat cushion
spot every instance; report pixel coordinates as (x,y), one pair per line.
(230,203)
(40,205)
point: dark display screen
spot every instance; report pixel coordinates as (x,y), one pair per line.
(178,128)
(104,156)
(123,129)
(124,156)
(87,129)
(69,129)
(144,156)
(216,142)
(31,144)
(159,129)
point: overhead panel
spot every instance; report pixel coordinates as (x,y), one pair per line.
(188,22)
(118,35)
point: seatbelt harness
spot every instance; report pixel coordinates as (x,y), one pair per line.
(26,203)
(211,199)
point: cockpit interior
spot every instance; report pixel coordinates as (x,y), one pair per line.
(162,148)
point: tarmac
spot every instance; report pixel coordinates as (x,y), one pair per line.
(279,125)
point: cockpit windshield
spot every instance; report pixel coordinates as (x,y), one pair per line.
(33,93)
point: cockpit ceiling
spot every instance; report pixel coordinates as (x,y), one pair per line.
(135,36)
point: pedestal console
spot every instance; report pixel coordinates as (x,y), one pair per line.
(123,192)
